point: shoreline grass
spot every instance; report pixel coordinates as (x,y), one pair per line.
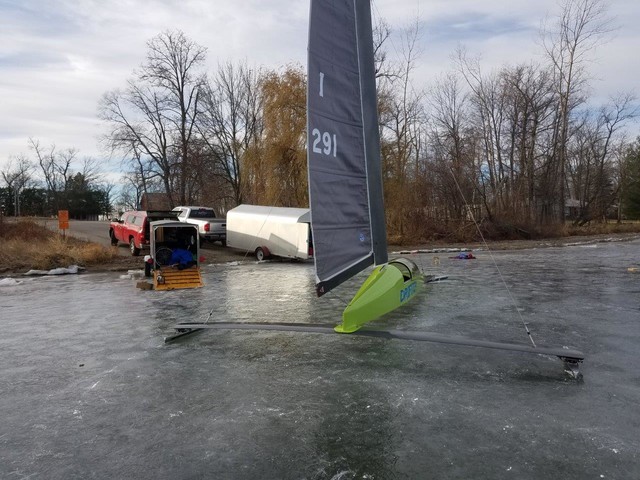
(26,245)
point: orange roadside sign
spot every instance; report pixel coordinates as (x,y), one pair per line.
(63,219)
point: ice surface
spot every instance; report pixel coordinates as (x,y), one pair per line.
(89,389)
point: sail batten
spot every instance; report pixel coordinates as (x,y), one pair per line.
(345,185)
(329,117)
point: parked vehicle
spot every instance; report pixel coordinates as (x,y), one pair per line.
(270,231)
(132,228)
(210,227)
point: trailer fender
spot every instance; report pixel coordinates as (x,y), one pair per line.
(262,252)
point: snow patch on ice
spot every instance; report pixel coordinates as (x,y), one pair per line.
(71,269)
(132,275)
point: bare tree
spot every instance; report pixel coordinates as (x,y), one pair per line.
(402,120)
(451,139)
(17,175)
(138,129)
(171,66)
(133,186)
(592,158)
(531,102)
(568,44)
(91,170)
(490,113)
(231,121)
(156,116)
(384,68)
(56,168)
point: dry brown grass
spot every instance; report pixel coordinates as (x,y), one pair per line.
(23,229)
(498,232)
(27,245)
(626,226)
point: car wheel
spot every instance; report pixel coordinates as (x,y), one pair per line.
(114,240)
(135,251)
(259,254)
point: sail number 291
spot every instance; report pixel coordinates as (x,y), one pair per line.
(324,142)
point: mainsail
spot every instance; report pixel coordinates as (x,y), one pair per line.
(345,184)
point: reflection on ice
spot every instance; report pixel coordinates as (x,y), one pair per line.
(266,291)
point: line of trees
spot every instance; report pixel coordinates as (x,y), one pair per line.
(54,180)
(519,149)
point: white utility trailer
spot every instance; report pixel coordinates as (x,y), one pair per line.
(270,231)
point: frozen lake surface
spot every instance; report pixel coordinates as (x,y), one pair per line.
(90,390)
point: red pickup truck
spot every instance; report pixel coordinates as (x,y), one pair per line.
(132,228)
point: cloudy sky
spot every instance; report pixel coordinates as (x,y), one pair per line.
(57,57)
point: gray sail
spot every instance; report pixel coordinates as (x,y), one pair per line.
(345,185)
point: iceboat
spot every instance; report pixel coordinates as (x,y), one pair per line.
(344,165)
(345,190)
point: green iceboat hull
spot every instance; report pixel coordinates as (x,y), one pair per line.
(388,287)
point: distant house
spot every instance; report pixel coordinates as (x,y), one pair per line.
(155,201)
(572,208)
